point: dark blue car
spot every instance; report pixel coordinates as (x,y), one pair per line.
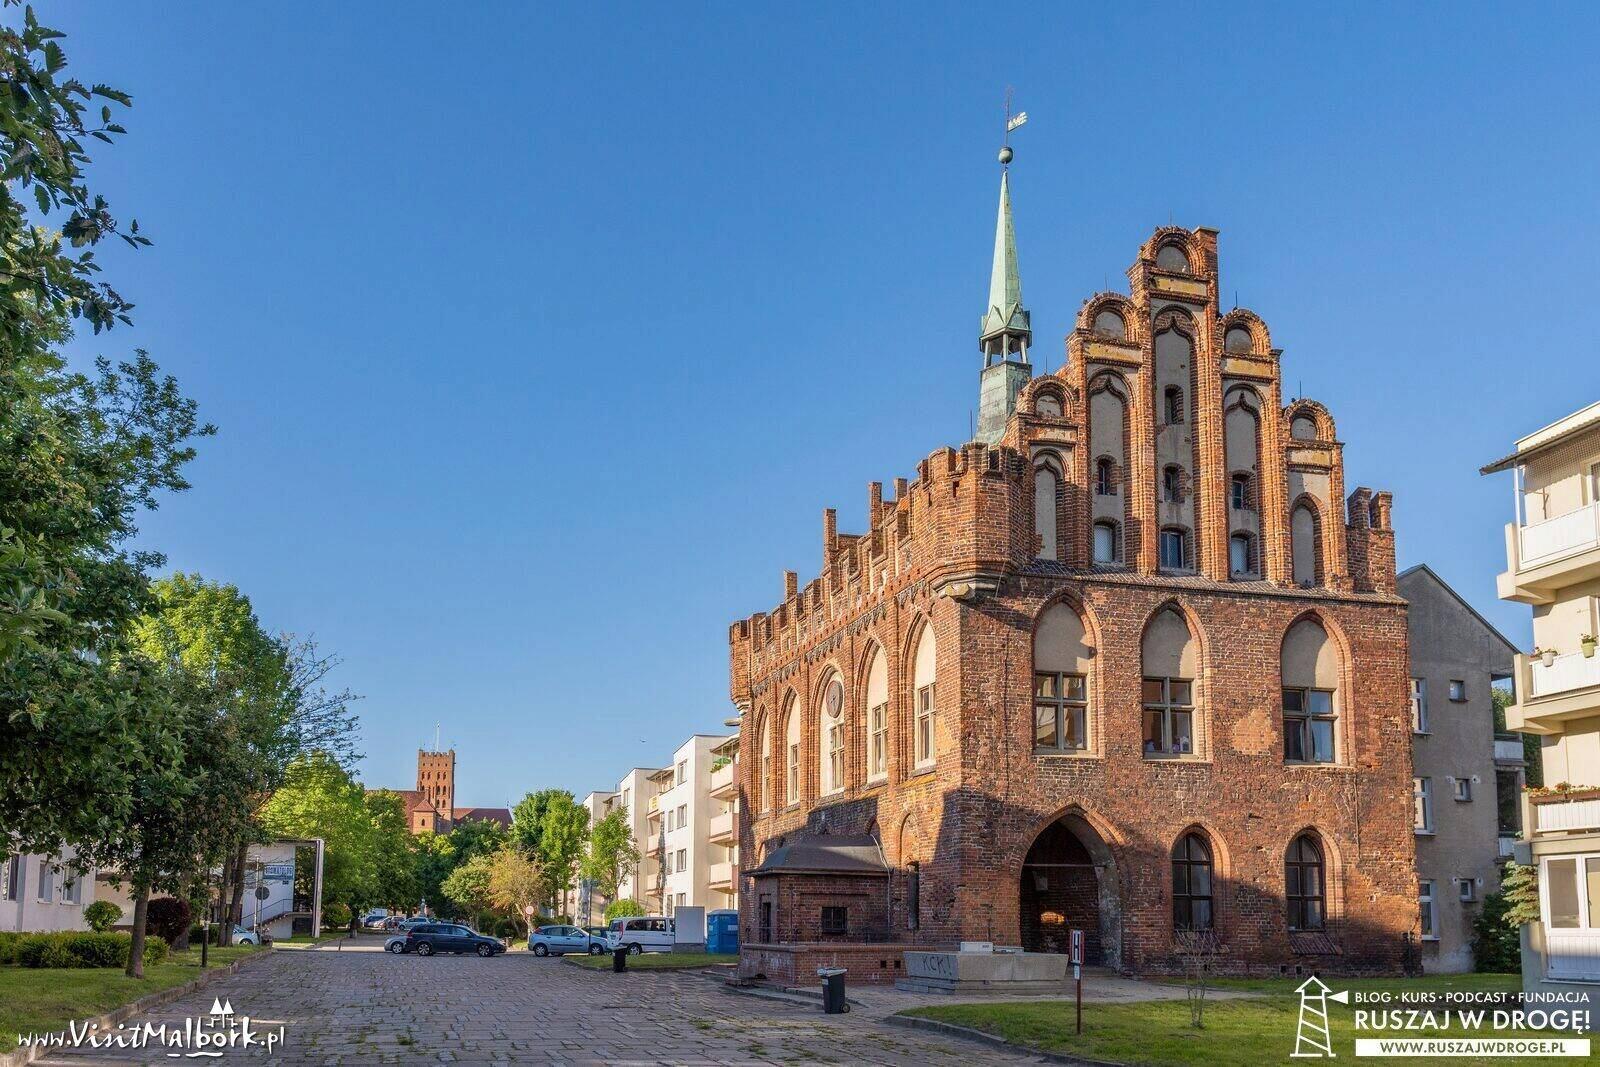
(428,938)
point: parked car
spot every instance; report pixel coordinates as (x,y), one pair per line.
(559,940)
(373,920)
(241,936)
(427,938)
(395,943)
(643,933)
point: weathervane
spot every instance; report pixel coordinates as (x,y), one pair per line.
(1012,122)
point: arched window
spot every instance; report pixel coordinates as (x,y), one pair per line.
(1304,535)
(1061,657)
(1240,494)
(1191,883)
(791,749)
(1048,404)
(830,735)
(1172,258)
(1305,884)
(1169,664)
(1109,324)
(924,718)
(1172,400)
(1241,556)
(1046,480)
(764,767)
(1303,428)
(1311,669)
(1172,484)
(1238,340)
(1175,549)
(877,717)
(1105,476)
(1106,546)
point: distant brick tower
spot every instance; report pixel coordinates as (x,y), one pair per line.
(436,781)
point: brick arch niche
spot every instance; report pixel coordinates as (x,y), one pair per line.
(1069,881)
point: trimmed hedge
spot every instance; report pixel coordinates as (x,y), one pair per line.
(76,948)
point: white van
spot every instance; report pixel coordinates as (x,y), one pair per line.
(643,933)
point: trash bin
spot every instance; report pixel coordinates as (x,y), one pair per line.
(619,959)
(833,1002)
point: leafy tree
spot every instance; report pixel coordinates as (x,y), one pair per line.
(621,909)
(1520,885)
(478,837)
(320,799)
(467,887)
(515,885)
(435,859)
(393,853)
(1502,698)
(612,857)
(563,836)
(527,819)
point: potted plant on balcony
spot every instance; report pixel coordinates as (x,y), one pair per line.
(1588,643)
(1547,655)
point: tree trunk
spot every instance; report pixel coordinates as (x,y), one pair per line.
(235,909)
(141,905)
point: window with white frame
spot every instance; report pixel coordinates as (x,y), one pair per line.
(683,816)
(71,887)
(831,736)
(46,888)
(924,725)
(877,717)
(1570,886)
(11,878)
(1422,805)
(683,860)
(1419,705)
(1427,908)
(683,771)
(1463,788)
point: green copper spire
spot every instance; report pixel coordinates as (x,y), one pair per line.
(1005,328)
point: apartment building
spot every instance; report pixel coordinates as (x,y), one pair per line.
(680,824)
(1468,781)
(636,792)
(41,893)
(722,834)
(1553,565)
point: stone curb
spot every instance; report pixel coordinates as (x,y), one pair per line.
(917,1022)
(19,1057)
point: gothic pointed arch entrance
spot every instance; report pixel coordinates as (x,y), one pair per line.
(1069,882)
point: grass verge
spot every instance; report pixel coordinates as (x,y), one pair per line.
(660,961)
(45,999)
(1259,1029)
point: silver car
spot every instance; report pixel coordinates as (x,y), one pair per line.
(559,940)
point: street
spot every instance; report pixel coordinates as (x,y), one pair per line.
(372,1007)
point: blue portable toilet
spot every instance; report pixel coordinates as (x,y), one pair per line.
(722,931)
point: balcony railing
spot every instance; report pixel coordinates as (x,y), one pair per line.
(1508,749)
(719,874)
(1561,814)
(1508,845)
(1544,542)
(722,779)
(1572,954)
(1572,671)
(722,826)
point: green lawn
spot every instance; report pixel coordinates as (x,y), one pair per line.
(37,1000)
(1260,1029)
(659,961)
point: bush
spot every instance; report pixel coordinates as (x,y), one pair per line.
(78,949)
(8,947)
(101,916)
(167,918)
(336,917)
(621,909)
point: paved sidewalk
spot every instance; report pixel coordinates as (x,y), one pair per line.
(369,1007)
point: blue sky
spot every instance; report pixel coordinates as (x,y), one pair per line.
(538,337)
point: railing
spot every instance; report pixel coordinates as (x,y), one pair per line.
(719,874)
(1572,954)
(1508,749)
(721,826)
(722,778)
(1572,671)
(1563,535)
(1553,816)
(1508,845)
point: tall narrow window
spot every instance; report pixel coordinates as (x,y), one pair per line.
(1240,492)
(831,736)
(1105,477)
(1173,405)
(1311,672)
(1105,542)
(1172,485)
(764,780)
(1422,805)
(11,878)
(925,740)
(913,895)
(1191,883)
(1167,692)
(47,882)
(1046,479)
(791,749)
(1304,549)
(1419,705)
(877,717)
(1174,549)
(1241,556)
(1425,909)
(1304,889)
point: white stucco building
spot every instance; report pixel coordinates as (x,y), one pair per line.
(42,893)
(680,825)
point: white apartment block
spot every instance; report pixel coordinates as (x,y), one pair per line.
(636,792)
(39,894)
(1553,565)
(682,819)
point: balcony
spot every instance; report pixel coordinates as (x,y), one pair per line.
(720,876)
(1568,688)
(1508,750)
(1508,846)
(1544,557)
(723,828)
(724,782)
(1566,813)
(653,846)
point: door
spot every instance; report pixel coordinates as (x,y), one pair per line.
(460,939)
(574,939)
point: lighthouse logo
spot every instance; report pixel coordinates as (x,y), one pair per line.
(1311,1039)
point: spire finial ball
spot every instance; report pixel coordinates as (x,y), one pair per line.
(1005,155)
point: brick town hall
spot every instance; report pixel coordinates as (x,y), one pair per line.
(1130,662)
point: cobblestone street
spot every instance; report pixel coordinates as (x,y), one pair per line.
(370,1007)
